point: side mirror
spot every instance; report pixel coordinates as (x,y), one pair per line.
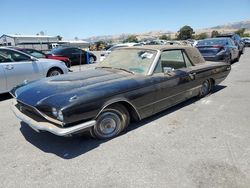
(33,59)
(168,70)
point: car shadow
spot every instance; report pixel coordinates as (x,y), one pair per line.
(5,96)
(71,147)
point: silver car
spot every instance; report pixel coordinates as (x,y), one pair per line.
(17,67)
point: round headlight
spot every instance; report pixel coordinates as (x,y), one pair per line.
(60,115)
(54,112)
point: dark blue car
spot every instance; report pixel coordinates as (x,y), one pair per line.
(218,49)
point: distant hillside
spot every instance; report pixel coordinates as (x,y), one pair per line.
(121,37)
(236,25)
(231,27)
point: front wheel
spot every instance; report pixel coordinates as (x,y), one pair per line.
(111,122)
(54,72)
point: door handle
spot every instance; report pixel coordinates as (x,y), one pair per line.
(192,75)
(9,67)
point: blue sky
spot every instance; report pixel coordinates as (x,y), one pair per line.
(82,18)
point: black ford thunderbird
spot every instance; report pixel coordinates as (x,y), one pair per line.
(130,84)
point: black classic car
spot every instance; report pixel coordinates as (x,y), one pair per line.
(130,84)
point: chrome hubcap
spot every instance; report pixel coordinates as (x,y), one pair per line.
(109,123)
(205,88)
(54,73)
(91,60)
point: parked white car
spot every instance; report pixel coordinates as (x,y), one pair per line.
(17,67)
(122,45)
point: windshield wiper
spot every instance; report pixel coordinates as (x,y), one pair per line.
(104,67)
(125,70)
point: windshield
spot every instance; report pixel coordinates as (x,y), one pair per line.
(134,60)
(212,42)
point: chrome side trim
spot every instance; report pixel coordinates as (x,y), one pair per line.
(44,115)
(154,64)
(116,101)
(46,126)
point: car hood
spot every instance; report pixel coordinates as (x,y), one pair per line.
(45,60)
(80,87)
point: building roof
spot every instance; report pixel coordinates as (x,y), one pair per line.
(74,41)
(28,36)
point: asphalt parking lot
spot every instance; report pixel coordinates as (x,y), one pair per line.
(199,143)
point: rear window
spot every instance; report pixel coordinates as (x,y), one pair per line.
(57,51)
(212,42)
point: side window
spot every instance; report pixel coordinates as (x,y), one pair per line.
(75,51)
(4,58)
(15,56)
(188,62)
(37,54)
(173,59)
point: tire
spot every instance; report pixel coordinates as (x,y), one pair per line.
(54,72)
(228,59)
(111,122)
(91,59)
(205,88)
(238,58)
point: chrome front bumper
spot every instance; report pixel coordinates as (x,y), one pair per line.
(46,126)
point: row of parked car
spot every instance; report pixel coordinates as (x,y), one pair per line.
(225,47)
(20,64)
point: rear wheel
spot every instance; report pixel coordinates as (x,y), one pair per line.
(54,72)
(238,58)
(111,122)
(91,59)
(228,59)
(205,88)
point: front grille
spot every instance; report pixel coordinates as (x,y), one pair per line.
(33,113)
(29,111)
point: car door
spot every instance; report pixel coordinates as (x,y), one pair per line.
(3,87)
(20,68)
(175,80)
(77,56)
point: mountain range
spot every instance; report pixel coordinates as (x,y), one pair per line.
(230,27)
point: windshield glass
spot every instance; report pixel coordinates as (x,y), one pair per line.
(212,42)
(134,60)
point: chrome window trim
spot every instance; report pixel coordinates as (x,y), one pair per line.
(154,64)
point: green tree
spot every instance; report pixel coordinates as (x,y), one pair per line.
(131,38)
(214,33)
(186,32)
(165,37)
(241,32)
(201,36)
(100,45)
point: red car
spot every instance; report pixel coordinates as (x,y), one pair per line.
(40,54)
